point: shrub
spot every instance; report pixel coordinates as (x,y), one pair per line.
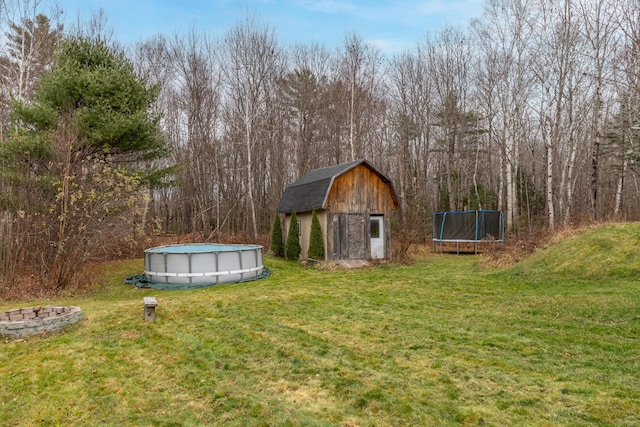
(277,246)
(316,242)
(292,247)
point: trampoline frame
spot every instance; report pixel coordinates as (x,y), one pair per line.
(479,235)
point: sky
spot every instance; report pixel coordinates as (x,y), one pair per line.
(391,25)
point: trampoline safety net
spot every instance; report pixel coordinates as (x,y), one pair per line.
(468,226)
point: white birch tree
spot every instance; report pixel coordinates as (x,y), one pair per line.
(252,64)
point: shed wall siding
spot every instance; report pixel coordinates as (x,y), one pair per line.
(360,191)
(305,229)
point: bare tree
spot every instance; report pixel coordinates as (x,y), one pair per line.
(600,23)
(196,93)
(411,110)
(252,64)
(449,56)
(359,72)
(624,136)
(505,83)
(31,38)
(555,69)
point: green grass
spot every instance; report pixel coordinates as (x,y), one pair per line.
(446,341)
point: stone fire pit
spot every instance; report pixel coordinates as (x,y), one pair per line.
(34,320)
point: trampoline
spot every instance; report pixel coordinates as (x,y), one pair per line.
(467,227)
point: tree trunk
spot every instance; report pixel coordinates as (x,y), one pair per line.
(550,210)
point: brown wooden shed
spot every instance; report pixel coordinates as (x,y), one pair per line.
(353,202)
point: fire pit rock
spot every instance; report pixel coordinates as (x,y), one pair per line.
(35,320)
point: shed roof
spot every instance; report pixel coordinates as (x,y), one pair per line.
(311,190)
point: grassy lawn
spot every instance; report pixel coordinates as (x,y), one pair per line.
(552,341)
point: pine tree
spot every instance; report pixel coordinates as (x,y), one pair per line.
(94,87)
(316,242)
(78,158)
(276,238)
(292,247)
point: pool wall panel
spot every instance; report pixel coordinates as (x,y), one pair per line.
(203,263)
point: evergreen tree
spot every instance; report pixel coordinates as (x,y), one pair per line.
(95,88)
(292,248)
(316,242)
(77,159)
(276,238)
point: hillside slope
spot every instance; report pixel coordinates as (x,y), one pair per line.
(598,254)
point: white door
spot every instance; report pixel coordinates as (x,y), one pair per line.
(376,231)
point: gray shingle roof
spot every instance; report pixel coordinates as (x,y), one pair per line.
(311,190)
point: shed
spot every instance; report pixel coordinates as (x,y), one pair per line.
(353,202)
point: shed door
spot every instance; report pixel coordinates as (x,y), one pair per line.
(376,234)
(349,236)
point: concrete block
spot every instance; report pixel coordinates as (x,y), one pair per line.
(15,325)
(34,323)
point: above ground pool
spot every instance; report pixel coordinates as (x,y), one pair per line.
(203,263)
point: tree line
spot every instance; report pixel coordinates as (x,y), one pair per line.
(532,109)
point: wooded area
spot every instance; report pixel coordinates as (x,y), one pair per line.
(533,109)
